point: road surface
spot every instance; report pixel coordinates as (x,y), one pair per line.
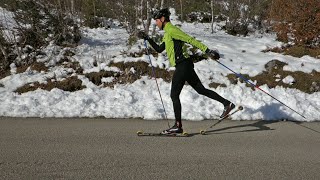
(98,148)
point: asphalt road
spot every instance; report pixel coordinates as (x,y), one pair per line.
(33,148)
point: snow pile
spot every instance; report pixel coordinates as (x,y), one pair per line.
(141,99)
(288,80)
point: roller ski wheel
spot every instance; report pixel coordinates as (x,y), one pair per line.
(202,132)
(237,109)
(185,134)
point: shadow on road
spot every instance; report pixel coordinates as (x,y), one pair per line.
(302,125)
(257,125)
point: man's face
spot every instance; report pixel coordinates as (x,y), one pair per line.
(159,22)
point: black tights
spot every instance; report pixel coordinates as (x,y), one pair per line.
(185,72)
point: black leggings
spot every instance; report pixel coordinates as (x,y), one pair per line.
(185,72)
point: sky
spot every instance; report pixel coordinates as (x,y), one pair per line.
(141,99)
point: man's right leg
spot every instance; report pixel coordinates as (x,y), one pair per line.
(176,87)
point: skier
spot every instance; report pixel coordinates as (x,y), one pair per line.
(174,43)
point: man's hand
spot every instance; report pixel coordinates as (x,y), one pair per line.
(142,35)
(213,54)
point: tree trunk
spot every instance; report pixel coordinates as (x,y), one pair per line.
(212,31)
(5,55)
(72,6)
(94,8)
(181,10)
(136,5)
(154,25)
(141,14)
(162,3)
(148,18)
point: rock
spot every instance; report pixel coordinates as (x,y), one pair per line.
(315,87)
(274,64)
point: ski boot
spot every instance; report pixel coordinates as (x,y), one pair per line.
(227,109)
(175,129)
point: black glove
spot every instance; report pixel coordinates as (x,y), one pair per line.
(143,35)
(213,54)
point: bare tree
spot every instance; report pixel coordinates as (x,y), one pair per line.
(212,16)
(150,14)
(4,55)
(181,10)
(141,14)
(297,21)
(162,3)
(149,17)
(72,7)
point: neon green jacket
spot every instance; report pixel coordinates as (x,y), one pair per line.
(174,42)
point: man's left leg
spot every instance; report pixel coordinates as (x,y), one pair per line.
(196,84)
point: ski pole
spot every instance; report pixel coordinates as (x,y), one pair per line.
(154,75)
(254,85)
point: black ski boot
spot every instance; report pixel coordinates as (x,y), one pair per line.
(227,109)
(175,129)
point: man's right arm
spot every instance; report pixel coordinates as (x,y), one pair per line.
(156,47)
(143,35)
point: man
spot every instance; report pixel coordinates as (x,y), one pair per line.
(174,43)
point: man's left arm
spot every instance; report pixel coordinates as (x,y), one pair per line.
(180,35)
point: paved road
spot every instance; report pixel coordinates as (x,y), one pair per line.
(84,148)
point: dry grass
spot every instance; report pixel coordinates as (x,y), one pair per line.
(36,66)
(69,84)
(95,77)
(140,69)
(4,73)
(126,75)
(297,51)
(74,65)
(272,76)
(305,82)
(215,85)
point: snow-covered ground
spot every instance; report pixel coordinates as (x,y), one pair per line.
(141,98)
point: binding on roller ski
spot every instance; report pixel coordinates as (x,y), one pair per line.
(183,134)
(174,131)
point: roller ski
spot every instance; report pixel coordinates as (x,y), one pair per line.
(226,114)
(141,133)
(174,131)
